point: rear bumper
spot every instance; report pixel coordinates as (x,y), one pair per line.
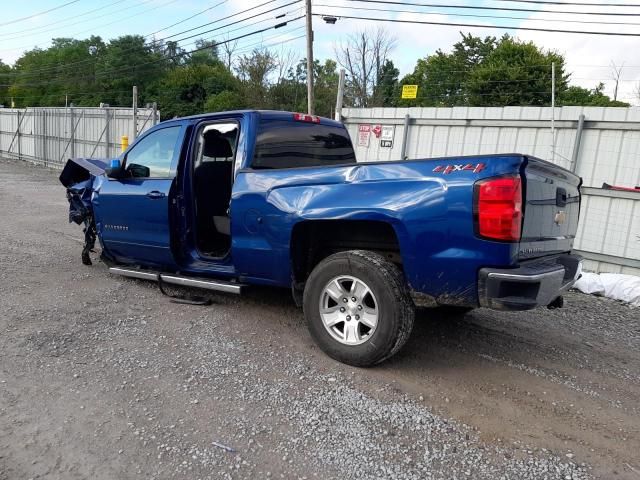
(535,283)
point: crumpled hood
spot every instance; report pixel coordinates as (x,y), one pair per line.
(79,170)
(79,176)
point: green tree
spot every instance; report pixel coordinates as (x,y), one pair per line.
(206,54)
(515,73)
(5,79)
(582,96)
(254,71)
(186,90)
(325,87)
(127,61)
(66,68)
(225,101)
(442,77)
(386,92)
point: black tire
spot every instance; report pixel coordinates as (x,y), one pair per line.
(396,311)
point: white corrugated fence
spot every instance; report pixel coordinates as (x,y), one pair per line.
(49,136)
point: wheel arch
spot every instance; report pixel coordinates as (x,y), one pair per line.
(313,240)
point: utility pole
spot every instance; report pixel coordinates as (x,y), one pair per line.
(310,96)
(340,96)
(553,111)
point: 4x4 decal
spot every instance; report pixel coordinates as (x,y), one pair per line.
(446,169)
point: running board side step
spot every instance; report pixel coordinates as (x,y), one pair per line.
(179,280)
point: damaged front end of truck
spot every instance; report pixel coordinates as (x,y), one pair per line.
(81,177)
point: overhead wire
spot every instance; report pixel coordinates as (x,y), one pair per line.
(496,17)
(82,62)
(475,25)
(584,4)
(116,12)
(39,27)
(28,17)
(188,18)
(107,72)
(136,14)
(478,7)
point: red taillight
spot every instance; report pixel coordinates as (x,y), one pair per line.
(499,208)
(303,117)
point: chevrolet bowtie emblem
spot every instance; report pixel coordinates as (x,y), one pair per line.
(560,217)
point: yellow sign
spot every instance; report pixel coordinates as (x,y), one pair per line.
(409,91)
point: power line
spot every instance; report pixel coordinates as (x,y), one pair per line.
(261,44)
(255,32)
(573,3)
(188,18)
(243,47)
(229,24)
(475,7)
(180,54)
(81,62)
(475,25)
(92,29)
(480,16)
(16,20)
(39,27)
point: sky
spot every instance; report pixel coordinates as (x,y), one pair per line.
(589,58)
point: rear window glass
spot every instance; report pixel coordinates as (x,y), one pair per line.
(287,144)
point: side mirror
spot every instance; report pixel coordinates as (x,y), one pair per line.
(115,169)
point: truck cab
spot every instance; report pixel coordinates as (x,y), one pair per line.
(170,206)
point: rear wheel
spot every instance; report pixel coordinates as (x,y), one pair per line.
(358,307)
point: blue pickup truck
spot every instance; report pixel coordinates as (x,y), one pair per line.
(221,201)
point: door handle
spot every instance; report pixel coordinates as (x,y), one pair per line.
(155,194)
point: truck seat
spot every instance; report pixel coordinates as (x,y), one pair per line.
(212,188)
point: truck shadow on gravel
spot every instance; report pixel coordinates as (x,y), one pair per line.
(437,333)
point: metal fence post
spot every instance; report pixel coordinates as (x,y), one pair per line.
(155,113)
(576,144)
(72,135)
(107,133)
(18,135)
(405,136)
(44,138)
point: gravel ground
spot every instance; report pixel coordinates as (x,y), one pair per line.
(102,377)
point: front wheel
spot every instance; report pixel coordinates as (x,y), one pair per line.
(358,307)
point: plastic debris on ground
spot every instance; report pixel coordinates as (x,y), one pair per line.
(618,286)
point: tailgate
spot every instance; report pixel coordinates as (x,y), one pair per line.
(551,208)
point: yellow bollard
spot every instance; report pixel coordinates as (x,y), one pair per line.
(124,142)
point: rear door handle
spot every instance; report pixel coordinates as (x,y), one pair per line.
(155,194)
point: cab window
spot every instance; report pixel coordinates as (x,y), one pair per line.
(289,144)
(152,156)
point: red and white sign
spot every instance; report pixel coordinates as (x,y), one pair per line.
(364,133)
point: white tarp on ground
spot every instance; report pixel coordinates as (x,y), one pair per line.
(611,285)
